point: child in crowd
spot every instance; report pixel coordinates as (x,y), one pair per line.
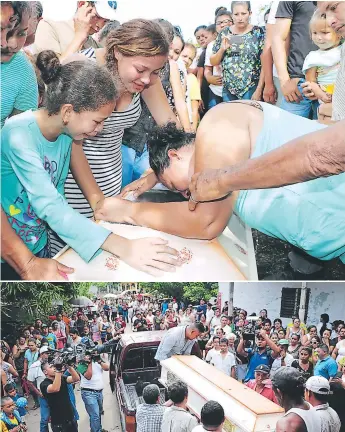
(193,89)
(321,66)
(36,155)
(11,391)
(10,417)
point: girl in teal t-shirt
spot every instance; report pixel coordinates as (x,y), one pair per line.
(36,154)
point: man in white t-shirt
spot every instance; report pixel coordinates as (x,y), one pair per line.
(224,360)
(209,313)
(213,351)
(215,321)
(212,417)
(317,390)
(35,378)
(91,385)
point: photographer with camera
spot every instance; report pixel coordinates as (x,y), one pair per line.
(55,390)
(262,353)
(91,369)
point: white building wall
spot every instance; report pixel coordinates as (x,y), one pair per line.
(325,297)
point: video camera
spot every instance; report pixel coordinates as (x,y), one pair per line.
(249,332)
(60,359)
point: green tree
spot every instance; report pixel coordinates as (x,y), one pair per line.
(191,291)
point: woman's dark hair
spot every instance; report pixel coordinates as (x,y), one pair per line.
(178,33)
(296,335)
(211,28)
(200,27)
(306,348)
(223,12)
(22,7)
(326,329)
(278,320)
(243,3)
(167,27)
(138,37)
(267,321)
(177,391)
(325,321)
(216,337)
(165,138)
(83,84)
(310,327)
(219,9)
(212,414)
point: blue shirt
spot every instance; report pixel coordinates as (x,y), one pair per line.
(202,309)
(256,359)
(326,368)
(52,340)
(33,174)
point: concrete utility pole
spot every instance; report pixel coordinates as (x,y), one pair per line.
(231,298)
(303,302)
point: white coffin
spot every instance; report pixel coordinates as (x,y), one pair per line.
(245,410)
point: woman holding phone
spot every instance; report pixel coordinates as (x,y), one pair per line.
(238,49)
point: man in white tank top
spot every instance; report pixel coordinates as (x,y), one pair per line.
(300,416)
(316,393)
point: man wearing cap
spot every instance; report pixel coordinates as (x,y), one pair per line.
(284,358)
(317,391)
(68,37)
(263,353)
(35,378)
(262,383)
(326,366)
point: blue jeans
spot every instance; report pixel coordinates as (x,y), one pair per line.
(134,164)
(45,414)
(228,97)
(214,100)
(306,108)
(93,404)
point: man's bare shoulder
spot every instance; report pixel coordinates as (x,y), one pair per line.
(291,423)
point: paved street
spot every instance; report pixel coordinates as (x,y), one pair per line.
(110,420)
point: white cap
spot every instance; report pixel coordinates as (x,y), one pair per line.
(44,349)
(106,9)
(318,384)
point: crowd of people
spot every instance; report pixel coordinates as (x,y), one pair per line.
(135,96)
(250,348)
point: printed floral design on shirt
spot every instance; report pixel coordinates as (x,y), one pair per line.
(241,63)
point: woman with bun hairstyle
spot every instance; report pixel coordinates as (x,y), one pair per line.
(36,153)
(135,54)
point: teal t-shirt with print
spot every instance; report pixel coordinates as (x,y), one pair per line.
(33,174)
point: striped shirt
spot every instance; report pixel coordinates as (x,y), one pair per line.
(103,153)
(19,88)
(339,91)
